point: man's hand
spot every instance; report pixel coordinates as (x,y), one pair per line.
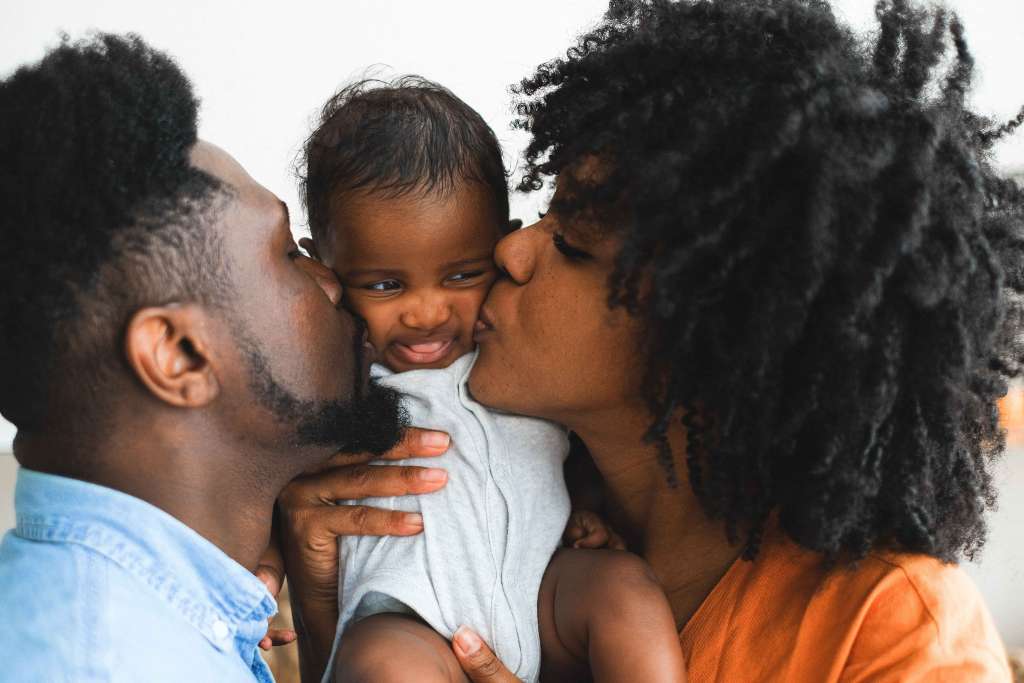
(587,530)
(311,523)
(477,660)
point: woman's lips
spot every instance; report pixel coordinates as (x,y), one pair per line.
(483,326)
(421,353)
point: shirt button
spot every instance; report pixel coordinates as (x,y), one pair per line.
(220,630)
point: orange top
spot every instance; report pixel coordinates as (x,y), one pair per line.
(891,618)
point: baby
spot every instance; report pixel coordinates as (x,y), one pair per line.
(407,197)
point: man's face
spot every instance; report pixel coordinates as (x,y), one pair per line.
(295,354)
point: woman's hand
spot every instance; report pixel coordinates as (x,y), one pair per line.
(311,522)
(477,660)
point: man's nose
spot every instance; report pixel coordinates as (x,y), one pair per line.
(428,311)
(516,253)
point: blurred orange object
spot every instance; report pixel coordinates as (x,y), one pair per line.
(1011,415)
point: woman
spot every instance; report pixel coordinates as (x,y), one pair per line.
(774,296)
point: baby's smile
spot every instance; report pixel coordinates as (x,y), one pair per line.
(424,351)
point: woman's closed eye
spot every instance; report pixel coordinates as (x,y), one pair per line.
(569,251)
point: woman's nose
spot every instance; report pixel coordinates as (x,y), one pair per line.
(516,253)
(427,311)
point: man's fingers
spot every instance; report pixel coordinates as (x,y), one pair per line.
(415,443)
(419,443)
(615,542)
(360,520)
(364,481)
(341,460)
(477,660)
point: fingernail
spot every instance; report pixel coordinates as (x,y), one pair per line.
(414,519)
(468,641)
(433,476)
(435,440)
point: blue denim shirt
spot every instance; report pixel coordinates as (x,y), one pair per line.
(96,585)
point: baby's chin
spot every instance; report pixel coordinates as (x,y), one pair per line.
(399,358)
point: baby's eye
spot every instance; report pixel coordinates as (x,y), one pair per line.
(383,286)
(463,277)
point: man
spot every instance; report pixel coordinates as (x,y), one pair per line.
(171,361)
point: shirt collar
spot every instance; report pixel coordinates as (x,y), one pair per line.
(218,596)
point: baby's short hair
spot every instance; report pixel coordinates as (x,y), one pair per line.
(393,138)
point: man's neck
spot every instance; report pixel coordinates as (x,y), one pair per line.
(189,471)
(688,551)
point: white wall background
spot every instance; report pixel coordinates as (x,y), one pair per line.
(262,70)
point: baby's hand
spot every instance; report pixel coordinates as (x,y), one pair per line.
(587,530)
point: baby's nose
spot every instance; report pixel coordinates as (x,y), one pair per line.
(428,313)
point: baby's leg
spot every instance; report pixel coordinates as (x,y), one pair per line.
(606,608)
(395,647)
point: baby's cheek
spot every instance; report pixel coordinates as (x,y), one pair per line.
(469,305)
(378,316)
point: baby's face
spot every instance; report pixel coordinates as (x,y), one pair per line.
(417,269)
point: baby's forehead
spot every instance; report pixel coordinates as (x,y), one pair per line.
(415,230)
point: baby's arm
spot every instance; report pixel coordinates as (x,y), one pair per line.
(606,608)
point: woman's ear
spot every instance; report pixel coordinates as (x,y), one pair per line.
(168,349)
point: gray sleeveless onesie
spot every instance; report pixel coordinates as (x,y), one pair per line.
(488,535)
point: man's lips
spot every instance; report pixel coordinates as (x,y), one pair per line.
(423,351)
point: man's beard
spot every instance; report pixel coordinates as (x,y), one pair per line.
(372,420)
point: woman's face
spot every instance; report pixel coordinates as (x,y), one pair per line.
(549,344)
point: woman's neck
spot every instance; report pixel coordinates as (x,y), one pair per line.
(667,525)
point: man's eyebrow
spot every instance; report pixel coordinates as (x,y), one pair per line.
(287,216)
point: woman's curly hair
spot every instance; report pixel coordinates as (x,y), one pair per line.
(829,266)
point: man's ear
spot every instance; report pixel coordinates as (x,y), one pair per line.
(168,348)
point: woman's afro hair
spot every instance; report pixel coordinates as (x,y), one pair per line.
(829,266)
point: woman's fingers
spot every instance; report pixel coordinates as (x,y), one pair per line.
(477,660)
